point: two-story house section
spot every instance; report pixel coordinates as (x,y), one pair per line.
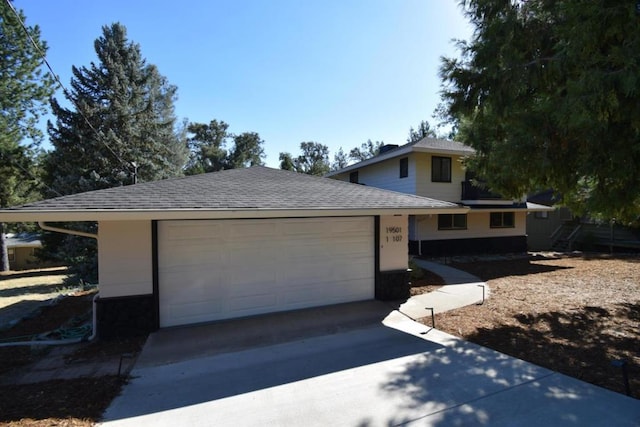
(433,168)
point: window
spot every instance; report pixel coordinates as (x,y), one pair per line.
(404,167)
(440,169)
(353,177)
(11,254)
(452,222)
(502,220)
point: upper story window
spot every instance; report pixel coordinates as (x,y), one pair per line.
(502,220)
(404,167)
(440,169)
(353,177)
(452,221)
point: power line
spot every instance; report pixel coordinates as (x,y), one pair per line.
(67,94)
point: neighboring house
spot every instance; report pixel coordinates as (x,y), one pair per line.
(21,250)
(238,243)
(433,168)
(558,230)
(545,228)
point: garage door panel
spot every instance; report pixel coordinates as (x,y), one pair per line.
(194,233)
(253,304)
(261,266)
(302,228)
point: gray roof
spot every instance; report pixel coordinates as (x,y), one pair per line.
(23,240)
(425,145)
(444,145)
(255,189)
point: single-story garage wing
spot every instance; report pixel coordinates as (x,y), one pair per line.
(238,243)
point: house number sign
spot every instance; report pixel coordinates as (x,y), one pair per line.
(394,234)
(393,243)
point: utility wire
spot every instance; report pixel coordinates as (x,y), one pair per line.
(67,94)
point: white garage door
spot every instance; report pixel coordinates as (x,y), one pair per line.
(220,269)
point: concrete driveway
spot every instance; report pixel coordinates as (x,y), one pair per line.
(386,371)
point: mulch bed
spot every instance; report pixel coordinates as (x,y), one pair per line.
(574,315)
(73,402)
(78,402)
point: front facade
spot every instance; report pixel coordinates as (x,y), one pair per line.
(434,168)
(21,251)
(238,243)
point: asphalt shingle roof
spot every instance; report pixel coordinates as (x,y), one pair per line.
(427,144)
(255,188)
(443,144)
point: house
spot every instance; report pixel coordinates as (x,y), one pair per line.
(433,168)
(546,229)
(21,250)
(559,230)
(238,243)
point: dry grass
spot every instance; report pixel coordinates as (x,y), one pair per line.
(31,285)
(574,315)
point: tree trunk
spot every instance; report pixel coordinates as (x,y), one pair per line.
(4,252)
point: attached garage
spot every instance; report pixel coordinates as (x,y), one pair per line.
(220,269)
(238,243)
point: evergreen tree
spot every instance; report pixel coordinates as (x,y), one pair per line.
(314,159)
(121,129)
(547,94)
(207,143)
(424,130)
(208,148)
(340,160)
(24,91)
(366,151)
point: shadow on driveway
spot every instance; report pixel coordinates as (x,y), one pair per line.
(388,372)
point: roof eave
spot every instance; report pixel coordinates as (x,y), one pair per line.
(401,151)
(182,214)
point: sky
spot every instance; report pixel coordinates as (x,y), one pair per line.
(338,72)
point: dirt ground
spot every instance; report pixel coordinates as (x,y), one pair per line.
(69,402)
(577,315)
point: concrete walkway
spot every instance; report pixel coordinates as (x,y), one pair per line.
(461,289)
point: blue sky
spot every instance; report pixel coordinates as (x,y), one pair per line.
(337,72)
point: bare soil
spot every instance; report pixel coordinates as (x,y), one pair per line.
(576,315)
(571,314)
(72,402)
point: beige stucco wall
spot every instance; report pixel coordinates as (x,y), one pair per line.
(394,253)
(449,191)
(23,258)
(426,228)
(124,258)
(386,175)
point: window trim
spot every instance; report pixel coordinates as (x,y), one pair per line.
(502,221)
(440,160)
(404,167)
(452,226)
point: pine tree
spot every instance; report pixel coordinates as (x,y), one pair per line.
(547,94)
(24,91)
(122,127)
